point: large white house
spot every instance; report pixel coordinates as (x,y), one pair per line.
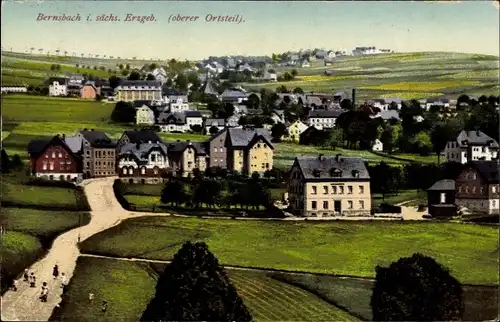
(321,119)
(471,146)
(179,121)
(160,75)
(144,115)
(177,103)
(14,89)
(58,88)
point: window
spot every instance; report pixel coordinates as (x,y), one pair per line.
(53,154)
(361,204)
(474,189)
(494,203)
(325,204)
(482,190)
(493,189)
(361,190)
(88,152)
(263,165)
(459,189)
(349,190)
(484,149)
(267,165)
(153,157)
(190,151)
(313,204)
(474,176)
(190,164)
(60,155)
(46,155)
(143,171)
(466,189)
(124,170)
(51,165)
(215,149)
(314,190)
(155,170)
(61,165)
(341,190)
(442,198)
(45,166)
(349,204)
(130,171)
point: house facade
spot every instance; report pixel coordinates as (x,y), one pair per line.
(294,131)
(471,146)
(144,115)
(54,160)
(184,157)
(179,121)
(323,118)
(329,186)
(58,88)
(14,89)
(99,154)
(129,91)
(220,124)
(89,91)
(142,136)
(142,162)
(216,149)
(477,187)
(378,146)
(179,104)
(441,199)
(248,151)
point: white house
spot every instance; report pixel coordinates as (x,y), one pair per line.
(142,162)
(378,146)
(360,51)
(160,75)
(58,88)
(179,121)
(396,100)
(305,64)
(323,118)
(14,89)
(144,115)
(442,103)
(178,103)
(220,124)
(471,146)
(233,96)
(278,116)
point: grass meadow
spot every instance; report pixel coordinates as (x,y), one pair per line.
(129,286)
(346,248)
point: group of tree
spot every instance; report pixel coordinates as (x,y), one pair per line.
(7,164)
(195,287)
(124,112)
(213,192)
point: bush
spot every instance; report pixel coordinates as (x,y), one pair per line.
(118,190)
(49,183)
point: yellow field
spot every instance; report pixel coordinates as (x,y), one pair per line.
(411,95)
(421,86)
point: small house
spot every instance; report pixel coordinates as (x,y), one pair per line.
(441,199)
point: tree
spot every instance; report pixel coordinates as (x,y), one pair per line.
(150,77)
(416,288)
(422,143)
(134,75)
(278,130)
(336,138)
(440,135)
(213,130)
(16,163)
(346,104)
(294,73)
(196,128)
(123,112)
(194,287)
(4,162)
(226,110)
(181,82)
(120,66)
(298,90)
(173,192)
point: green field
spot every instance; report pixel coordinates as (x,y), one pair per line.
(35,195)
(416,197)
(129,286)
(405,75)
(481,302)
(347,248)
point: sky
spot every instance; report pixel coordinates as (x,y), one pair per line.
(266,27)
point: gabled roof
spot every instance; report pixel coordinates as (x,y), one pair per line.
(216,122)
(175,97)
(143,136)
(323,168)
(141,151)
(487,169)
(325,113)
(209,88)
(192,114)
(74,143)
(243,137)
(179,147)
(228,93)
(475,138)
(178,118)
(446,184)
(140,103)
(37,147)
(98,139)
(387,115)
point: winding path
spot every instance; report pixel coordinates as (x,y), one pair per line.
(24,304)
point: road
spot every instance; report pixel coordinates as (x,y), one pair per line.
(24,304)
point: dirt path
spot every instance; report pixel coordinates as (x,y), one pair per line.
(24,304)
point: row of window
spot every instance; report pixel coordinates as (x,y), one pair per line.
(104,173)
(62,165)
(473,189)
(350,204)
(143,170)
(337,190)
(59,155)
(264,165)
(108,153)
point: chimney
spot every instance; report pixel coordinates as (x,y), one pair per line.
(337,157)
(353,98)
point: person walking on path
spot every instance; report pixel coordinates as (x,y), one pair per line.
(32,279)
(26,275)
(55,272)
(64,282)
(104,306)
(91,297)
(45,292)
(14,285)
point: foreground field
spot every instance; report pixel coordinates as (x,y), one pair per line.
(128,287)
(346,248)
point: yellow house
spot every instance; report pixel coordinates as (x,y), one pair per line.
(294,131)
(249,150)
(329,186)
(184,157)
(129,91)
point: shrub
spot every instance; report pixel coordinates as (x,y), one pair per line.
(118,190)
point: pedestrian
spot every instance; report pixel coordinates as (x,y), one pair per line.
(104,306)
(14,285)
(91,297)
(32,280)
(63,280)
(45,292)
(26,275)
(55,271)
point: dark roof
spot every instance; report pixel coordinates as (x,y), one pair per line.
(140,103)
(192,114)
(323,168)
(475,138)
(487,169)
(243,137)
(179,147)
(446,184)
(209,88)
(98,139)
(143,136)
(217,122)
(141,151)
(37,147)
(325,113)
